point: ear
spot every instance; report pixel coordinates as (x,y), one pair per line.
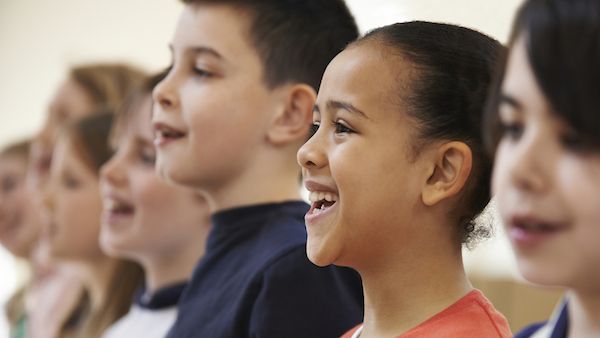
(451,169)
(291,124)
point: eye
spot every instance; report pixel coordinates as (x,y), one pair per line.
(573,142)
(342,128)
(70,182)
(513,130)
(8,184)
(148,156)
(313,128)
(203,72)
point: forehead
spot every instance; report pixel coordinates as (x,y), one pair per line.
(221,27)
(520,82)
(368,75)
(13,162)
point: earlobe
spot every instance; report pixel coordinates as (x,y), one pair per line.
(451,170)
(291,124)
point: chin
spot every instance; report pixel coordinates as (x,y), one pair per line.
(542,275)
(317,256)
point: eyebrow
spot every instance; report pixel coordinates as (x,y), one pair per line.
(509,100)
(201,50)
(335,105)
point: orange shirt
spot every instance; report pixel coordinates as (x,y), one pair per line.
(472,316)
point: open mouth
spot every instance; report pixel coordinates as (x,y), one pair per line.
(536,227)
(117,208)
(165,134)
(528,231)
(321,201)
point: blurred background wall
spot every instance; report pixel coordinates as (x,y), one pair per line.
(39,40)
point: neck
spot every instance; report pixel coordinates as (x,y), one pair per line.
(274,181)
(584,313)
(175,266)
(403,292)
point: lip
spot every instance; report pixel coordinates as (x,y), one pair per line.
(311,218)
(528,238)
(314,185)
(165,133)
(110,217)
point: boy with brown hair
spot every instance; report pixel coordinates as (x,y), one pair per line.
(229,119)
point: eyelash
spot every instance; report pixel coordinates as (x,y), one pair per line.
(147,159)
(512,130)
(202,73)
(340,128)
(70,182)
(572,142)
(569,140)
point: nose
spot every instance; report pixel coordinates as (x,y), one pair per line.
(312,155)
(164,93)
(47,200)
(112,171)
(531,164)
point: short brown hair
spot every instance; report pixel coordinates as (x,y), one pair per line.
(295,39)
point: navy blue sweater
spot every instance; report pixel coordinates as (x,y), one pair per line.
(256,281)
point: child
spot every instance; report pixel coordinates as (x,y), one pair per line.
(74,203)
(161,227)
(396,176)
(18,232)
(87,89)
(18,224)
(545,129)
(230,116)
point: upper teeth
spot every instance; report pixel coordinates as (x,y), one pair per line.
(316,196)
(110,204)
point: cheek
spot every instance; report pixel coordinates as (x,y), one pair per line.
(78,214)
(499,169)
(579,183)
(151,196)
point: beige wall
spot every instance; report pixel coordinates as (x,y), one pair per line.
(39,39)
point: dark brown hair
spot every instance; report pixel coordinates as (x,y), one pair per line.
(562,39)
(453,71)
(295,39)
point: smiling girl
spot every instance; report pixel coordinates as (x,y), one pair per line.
(396,175)
(545,129)
(74,205)
(160,226)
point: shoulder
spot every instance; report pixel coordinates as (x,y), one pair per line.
(299,299)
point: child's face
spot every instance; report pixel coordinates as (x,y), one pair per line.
(71,101)
(18,229)
(143,216)
(74,205)
(213,107)
(547,188)
(360,158)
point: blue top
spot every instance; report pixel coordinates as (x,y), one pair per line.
(557,326)
(164,297)
(256,281)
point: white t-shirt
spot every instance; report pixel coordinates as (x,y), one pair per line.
(143,322)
